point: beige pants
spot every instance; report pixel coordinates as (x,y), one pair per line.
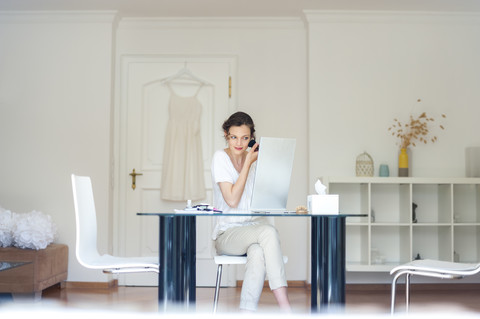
(264,257)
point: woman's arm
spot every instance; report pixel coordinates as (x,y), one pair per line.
(232,193)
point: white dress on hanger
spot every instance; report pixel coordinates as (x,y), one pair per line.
(182,172)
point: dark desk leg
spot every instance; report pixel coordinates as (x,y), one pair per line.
(189,256)
(166,275)
(315,266)
(328,263)
(177,258)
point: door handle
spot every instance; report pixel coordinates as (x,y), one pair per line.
(134,178)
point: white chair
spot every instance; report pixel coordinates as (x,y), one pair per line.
(429,268)
(86,238)
(221,260)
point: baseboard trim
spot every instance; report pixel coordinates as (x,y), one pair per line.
(91,284)
(350,288)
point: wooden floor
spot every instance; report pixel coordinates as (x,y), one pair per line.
(358,301)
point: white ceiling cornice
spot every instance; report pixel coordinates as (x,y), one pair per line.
(213,22)
(238,8)
(323,16)
(57,16)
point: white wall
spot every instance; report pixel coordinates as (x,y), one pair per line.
(367,68)
(271,88)
(55,101)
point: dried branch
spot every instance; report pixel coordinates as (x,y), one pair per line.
(415,130)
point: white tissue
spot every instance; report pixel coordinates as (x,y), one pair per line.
(320,188)
(321,203)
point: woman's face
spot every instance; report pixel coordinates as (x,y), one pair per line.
(238,138)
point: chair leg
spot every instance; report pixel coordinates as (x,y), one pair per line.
(407,292)
(394,290)
(217,287)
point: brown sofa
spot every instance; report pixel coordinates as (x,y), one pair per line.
(44,268)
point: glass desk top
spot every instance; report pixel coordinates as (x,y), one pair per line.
(209,213)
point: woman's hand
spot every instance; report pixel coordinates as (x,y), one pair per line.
(252,155)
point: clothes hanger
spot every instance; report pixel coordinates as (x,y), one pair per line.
(186,74)
(182,74)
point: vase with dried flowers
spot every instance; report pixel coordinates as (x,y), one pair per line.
(416,130)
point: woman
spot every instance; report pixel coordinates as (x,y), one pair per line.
(232,173)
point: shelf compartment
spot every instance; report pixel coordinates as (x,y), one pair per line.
(392,244)
(434,203)
(447,226)
(466,243)
(466,204)
(390,203)
(432,242)
(353,199)
(357,245)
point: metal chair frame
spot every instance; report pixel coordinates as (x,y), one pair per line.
(221,260)
(429,268)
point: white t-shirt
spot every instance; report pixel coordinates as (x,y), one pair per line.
(224,171)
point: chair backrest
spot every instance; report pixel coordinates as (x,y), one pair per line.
(86,220)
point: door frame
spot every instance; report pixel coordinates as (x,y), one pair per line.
(119,179)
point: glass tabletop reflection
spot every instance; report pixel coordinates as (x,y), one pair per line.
(6,265)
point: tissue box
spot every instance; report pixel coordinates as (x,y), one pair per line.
(323,204)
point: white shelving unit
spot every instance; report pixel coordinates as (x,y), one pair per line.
(447,225)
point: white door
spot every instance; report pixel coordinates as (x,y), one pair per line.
(142,107)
